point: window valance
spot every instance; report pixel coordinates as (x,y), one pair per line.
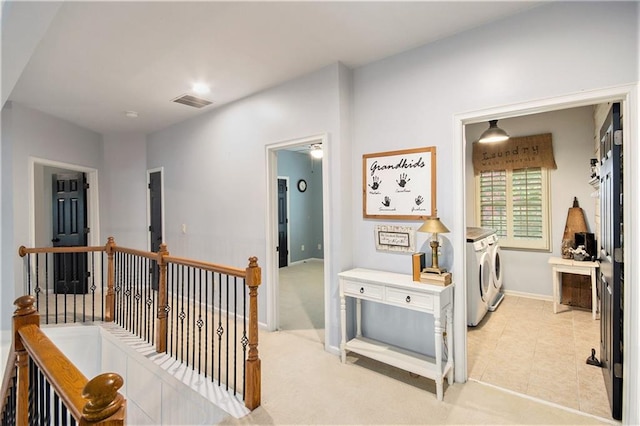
(515,153)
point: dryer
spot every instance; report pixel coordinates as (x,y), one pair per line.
(480,288)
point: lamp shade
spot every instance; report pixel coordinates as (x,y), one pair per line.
(493,133)
(433,226)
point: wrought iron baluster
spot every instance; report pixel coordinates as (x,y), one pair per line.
(36,289)
(46,286)
(182,313)
(206,323)
(245,339)
(200,323)
(191,313)
(220,328)
(226,376)
(235,333)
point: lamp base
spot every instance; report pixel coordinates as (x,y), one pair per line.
(433,270)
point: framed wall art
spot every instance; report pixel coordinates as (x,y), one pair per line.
(399,184)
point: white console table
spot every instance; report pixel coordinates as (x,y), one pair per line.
(399,290)
(570,266)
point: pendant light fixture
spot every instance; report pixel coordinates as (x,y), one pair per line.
(493,133)
(316,150)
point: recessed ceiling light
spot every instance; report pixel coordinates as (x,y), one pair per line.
(131,114)
(200,88)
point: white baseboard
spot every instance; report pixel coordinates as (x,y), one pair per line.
(311,259)
(528,295)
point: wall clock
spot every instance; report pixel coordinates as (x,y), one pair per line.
(302,185)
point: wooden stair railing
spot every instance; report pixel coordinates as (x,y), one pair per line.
(251,275)
(37,361)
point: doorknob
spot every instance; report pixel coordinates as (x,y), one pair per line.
(55,240)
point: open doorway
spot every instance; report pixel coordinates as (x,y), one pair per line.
(41,171)
(41,226)
(296,229)
(465,207)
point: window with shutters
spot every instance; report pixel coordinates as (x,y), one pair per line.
(516,204)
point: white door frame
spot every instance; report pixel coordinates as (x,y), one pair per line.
(271,262)
(93,217)
(628,94)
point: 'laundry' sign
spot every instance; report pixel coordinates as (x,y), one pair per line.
(515,153)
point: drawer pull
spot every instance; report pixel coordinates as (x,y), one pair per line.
(361,290)
(408,299)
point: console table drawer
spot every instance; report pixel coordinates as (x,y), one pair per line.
(364,290)
(410,299)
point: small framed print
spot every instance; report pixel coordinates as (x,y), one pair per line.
(395,238)
(399,184)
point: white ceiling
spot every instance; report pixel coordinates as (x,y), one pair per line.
(89,62)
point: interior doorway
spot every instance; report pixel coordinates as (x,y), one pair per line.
(155,217)
(41,231)
(297,205)
(625,94)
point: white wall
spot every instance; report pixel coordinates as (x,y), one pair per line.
(123,188)
(412,100)
(215,169)
(408,100)
(572,135)
(30,133)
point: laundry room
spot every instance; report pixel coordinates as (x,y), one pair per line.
(517,339)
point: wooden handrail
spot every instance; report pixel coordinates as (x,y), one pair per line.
(23,251)
(251,275)
(148,254)
(95,402)
(207,266)
(63,375)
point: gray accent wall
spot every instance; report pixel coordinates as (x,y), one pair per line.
(305,208)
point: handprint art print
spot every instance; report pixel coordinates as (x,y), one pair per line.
(400,184)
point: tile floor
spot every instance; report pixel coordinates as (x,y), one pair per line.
(524,347)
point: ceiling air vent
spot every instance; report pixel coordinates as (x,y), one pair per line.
(192,101)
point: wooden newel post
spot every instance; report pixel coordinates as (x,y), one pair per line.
(105,406)
(253,375)
(161,329)
(110,298)
(25,314)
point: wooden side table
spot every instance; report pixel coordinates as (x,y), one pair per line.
(570,266)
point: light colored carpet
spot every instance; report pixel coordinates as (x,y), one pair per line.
(301,305)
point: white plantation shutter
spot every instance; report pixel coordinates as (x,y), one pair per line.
(527,203)
(493,201)
(515,204)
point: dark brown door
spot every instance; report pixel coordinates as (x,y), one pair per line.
(611,266)
(155,227)
(283,250)
(69,230)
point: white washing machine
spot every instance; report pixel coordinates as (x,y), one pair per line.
(480,287)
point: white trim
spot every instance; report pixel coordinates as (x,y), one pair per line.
(271,266)
(545,402)
(149,171)
(93,217)
(528,295)
(628,95)
(286,178)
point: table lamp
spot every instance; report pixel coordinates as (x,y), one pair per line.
(433,226)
